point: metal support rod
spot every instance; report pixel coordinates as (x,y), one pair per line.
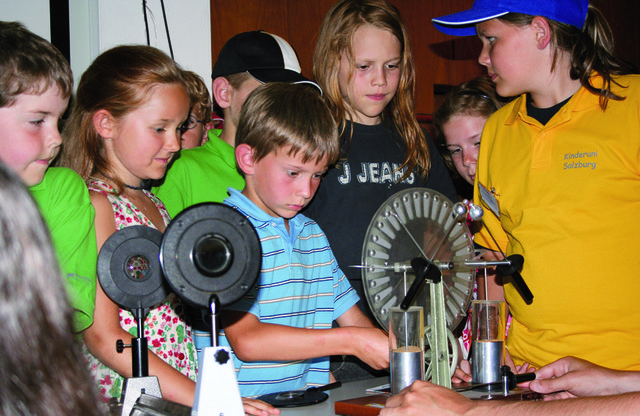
(440,343)
(214,305)
(139,347)
(486,263)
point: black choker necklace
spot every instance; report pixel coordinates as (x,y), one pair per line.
(135,188)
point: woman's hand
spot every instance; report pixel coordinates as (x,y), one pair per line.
(571,377)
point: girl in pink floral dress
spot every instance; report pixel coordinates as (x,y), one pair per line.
(124,128)
(167,334)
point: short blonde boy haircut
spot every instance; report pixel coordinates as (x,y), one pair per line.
(278,115)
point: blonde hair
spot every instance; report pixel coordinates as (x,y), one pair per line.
(336,37)
(119,80)
(279,114)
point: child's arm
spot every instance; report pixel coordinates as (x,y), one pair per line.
(355,317)
(253,340)
(101,337)
(376,349)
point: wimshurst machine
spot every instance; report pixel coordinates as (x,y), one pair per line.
(210,256)
(418,250)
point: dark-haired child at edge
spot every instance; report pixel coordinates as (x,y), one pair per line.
(281,333)
(41,373)
(364,64)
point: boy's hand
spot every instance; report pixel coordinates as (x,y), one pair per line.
(369,343)
(258,408)
(371,346)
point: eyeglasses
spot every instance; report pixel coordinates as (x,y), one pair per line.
(191,123)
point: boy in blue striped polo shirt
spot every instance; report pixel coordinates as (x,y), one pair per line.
(281,333)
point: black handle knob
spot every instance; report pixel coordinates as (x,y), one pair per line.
(120,346)
(513,269)
(424,270)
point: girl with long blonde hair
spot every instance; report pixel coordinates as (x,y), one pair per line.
(364,64)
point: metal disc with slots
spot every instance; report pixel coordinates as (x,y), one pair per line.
(414,223)
(210,249)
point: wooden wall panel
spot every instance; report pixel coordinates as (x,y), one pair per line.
(623,17)
(298,22)
(440,59)
(294,20)
(306,17)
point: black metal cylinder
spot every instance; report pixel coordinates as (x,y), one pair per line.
(140,357)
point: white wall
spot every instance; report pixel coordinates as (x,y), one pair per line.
(97,25)
(34,14)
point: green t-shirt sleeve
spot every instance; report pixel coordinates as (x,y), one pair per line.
(64,201)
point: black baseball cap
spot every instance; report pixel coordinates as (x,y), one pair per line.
(266,57)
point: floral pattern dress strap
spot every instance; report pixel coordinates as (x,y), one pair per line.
(168,335)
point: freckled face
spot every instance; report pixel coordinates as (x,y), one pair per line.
(281,184)
(29,136)
(462,134)
(146,139)
(377,56)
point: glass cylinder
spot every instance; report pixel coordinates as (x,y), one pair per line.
(488,325)
(406,347)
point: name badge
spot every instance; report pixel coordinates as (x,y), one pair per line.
(489,199)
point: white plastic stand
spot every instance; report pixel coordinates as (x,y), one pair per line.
(136,386)
(217,391)
(141,382)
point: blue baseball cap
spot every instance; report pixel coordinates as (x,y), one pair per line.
(571,12)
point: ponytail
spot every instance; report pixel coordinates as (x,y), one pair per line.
(591,51)
(594,52)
